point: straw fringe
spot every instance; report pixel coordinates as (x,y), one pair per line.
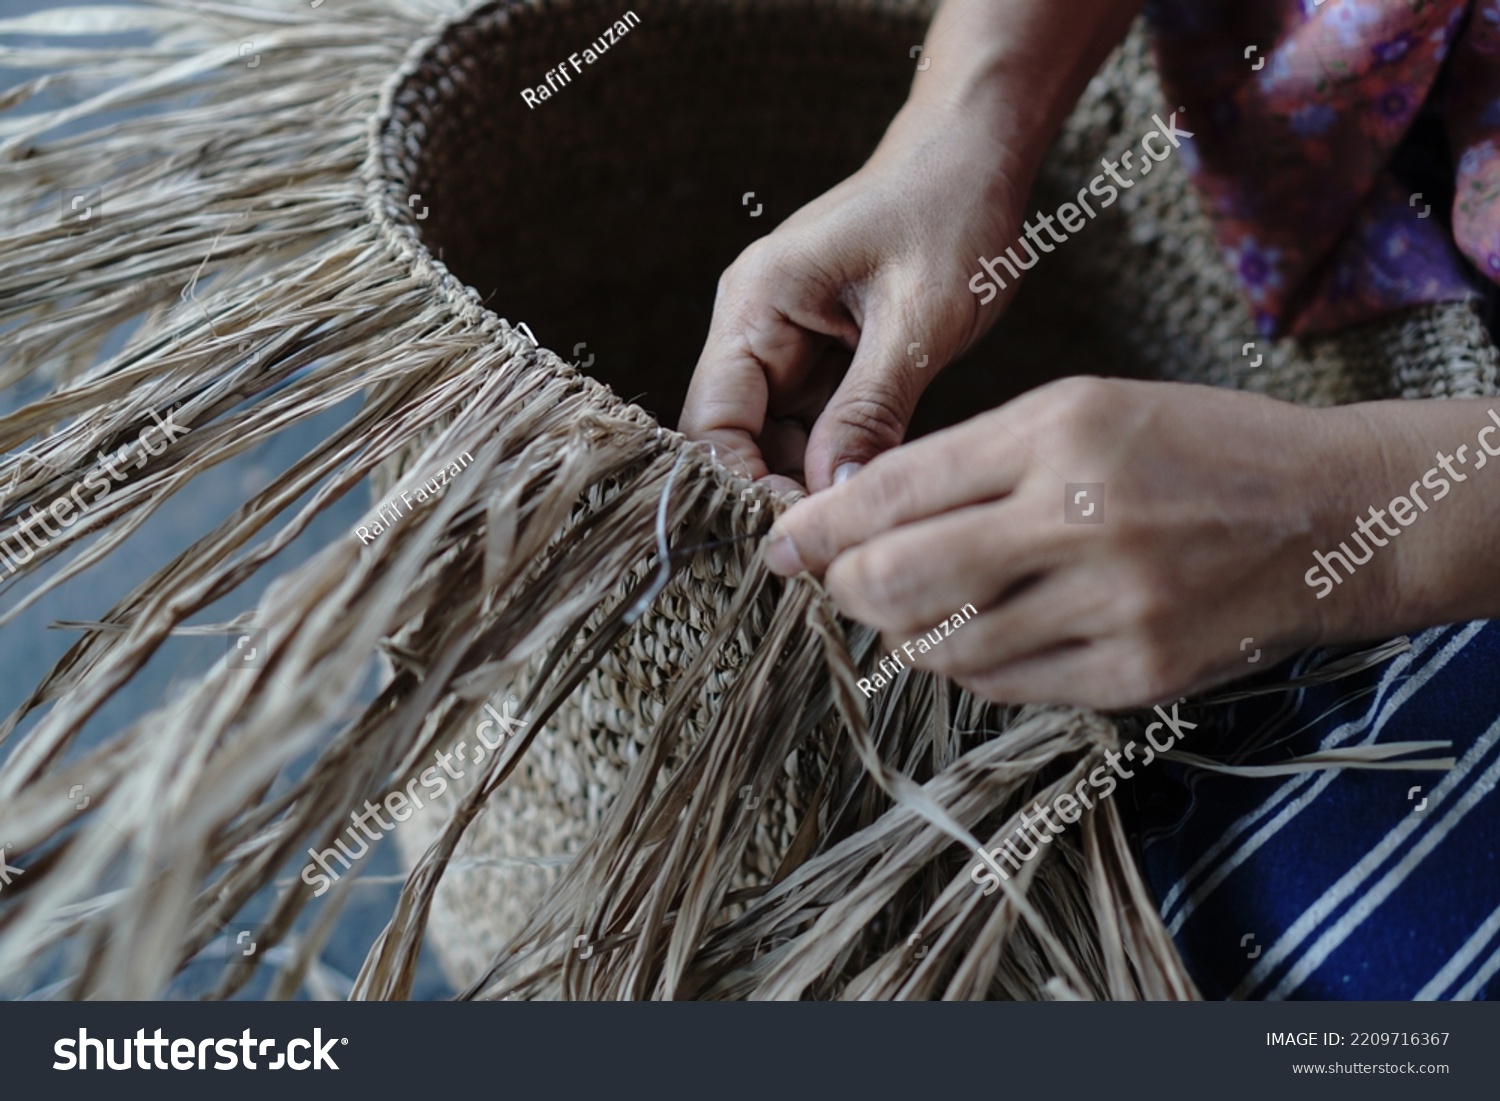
(247,263)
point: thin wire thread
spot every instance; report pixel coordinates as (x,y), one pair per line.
(665,555)
(663,552)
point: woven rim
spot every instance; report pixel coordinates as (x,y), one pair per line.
(430,79)
(386,171)
(452,116)
(513,561)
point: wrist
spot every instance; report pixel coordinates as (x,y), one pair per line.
(1353,544)
(1431,558)
(961,153)
(1016,68)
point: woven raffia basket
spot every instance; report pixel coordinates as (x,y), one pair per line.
(702,804)
(621,195)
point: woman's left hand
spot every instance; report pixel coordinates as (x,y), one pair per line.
(1186,569)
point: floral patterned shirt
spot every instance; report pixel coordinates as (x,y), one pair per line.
(1300,109)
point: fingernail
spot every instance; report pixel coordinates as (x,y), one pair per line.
(847,471)
(782,557)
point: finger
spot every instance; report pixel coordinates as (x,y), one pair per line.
(1043,614)
(1067,673)
(966,465)
(781,484)
(726,400)
(1105,674)
(919,574)
(755,360)
(791,415)
(869,413)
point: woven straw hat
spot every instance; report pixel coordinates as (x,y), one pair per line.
(701,802)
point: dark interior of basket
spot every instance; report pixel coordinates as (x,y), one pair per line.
(603,215)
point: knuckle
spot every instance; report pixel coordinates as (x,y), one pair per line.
(1152,672)
(1143,602)
(954,658)
(896,486)
(756,266)
(1079,400)
(755,257)
(877,413)
(730,281)
(870,579)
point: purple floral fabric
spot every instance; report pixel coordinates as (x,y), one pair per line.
(1294,143)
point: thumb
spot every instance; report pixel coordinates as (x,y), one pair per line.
(869,413)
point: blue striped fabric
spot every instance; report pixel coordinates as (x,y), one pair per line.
(1340,884)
